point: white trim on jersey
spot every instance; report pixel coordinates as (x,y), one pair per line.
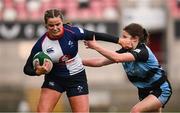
(81,30)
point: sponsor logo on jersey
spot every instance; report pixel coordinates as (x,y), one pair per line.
(70,43)
(51,83)
(137,50)
(50,50)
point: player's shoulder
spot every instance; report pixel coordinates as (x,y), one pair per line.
(39,41)
(141,48)
(141,52)
(73,29)
(69,26)
(41,38)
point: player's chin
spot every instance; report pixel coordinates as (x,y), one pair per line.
(56,34)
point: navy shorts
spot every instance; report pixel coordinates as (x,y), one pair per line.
(163,93)
(73,85)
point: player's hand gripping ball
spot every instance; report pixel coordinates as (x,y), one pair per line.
(42,63)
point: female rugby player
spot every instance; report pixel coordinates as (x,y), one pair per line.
(68,75)
(141,67)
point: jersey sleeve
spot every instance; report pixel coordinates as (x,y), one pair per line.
(78,33)
(84,34)
(100,36)
(140,54)
(28,67)
(122,50)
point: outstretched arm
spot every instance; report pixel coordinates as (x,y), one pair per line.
(101,36)
(97,62)
(113,56)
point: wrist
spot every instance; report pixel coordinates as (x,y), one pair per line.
(97,47)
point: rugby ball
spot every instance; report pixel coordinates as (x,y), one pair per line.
(41,58)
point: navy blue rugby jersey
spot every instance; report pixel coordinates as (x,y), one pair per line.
(64,51)
(145,71)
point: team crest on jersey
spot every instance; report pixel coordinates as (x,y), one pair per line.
(51,83)
(137,50)
(70,43)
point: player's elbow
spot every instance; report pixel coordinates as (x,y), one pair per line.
(28,71)
(99,65)
(115,59)
(25,70)
(94,65)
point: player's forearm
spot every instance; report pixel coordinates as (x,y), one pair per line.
(101,36)
(111,55)
(106,37)
(92,62)
(28,68)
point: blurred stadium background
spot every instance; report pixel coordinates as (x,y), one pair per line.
(21,23)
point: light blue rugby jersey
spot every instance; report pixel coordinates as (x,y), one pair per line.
(63,52)
(145,71)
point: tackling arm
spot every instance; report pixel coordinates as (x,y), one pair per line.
(96,62)
(101,36)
